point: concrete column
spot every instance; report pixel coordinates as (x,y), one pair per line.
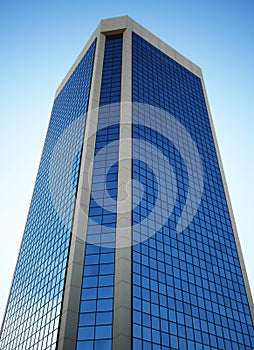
(122,322)
(71,301)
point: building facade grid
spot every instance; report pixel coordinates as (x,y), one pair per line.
(188,288)
(185,290)
(96,305)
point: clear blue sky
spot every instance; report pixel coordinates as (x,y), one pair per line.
(39,41)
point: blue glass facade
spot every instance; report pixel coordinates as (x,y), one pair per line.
(97,296)
(33,312)
(188,288)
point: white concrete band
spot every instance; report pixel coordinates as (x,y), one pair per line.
(122,323)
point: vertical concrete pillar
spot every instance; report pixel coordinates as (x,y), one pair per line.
(122,324)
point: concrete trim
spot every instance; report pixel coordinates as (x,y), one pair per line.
(113,32)
(122,319)
(232,218)
(71,300)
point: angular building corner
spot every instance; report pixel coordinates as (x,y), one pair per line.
(130,240)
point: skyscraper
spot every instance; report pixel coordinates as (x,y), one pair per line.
(130,240)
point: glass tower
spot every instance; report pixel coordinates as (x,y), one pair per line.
(130,240)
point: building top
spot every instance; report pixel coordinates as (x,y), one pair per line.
(117,25)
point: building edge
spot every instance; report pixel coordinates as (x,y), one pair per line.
(20,245)
(122,260)
(229,204)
